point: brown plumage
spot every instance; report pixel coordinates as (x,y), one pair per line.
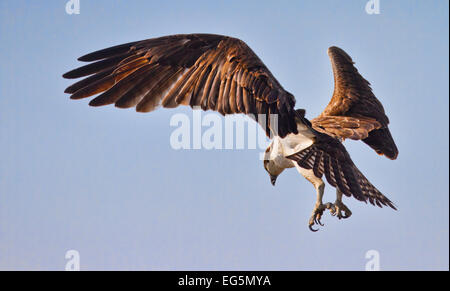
(354,111)
(223,74)
(210,71)
(328,156)
(346,126)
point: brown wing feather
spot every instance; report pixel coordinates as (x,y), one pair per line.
(354,100)
(211,71)
(328,156)
(346,126)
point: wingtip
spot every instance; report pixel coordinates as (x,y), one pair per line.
(391,155)
(331,49)
(84,58)
(88,57)
(394,157)
(76,96)
(334,50)
(93,103)
(73,74)
(66,75)
(97,102)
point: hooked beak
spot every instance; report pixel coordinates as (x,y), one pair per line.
(273,179)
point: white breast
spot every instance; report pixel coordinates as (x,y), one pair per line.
(291,144)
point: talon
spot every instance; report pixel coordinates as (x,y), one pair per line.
(347,214)
(311,223)
(312,229)
(316,216)
(340,210)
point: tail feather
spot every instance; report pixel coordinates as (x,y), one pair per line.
(328,156)
(371,193)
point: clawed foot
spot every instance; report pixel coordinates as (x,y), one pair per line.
(337,208)
(317,215)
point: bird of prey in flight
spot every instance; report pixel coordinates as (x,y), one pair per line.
(223,74)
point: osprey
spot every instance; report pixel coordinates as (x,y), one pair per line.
(222,73)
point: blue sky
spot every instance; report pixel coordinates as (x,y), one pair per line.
(106,182)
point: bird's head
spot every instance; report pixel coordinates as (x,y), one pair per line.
(271,168)
(267,167)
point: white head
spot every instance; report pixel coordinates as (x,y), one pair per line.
(269,162)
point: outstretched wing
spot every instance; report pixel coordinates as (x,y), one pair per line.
(213,72)
(328,156)
(354,111)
